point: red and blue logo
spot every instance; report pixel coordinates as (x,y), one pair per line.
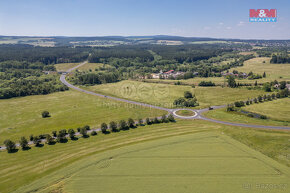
(263,15)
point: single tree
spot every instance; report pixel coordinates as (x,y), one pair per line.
(87,127)
(264,75)
(49,139)
(187,95)
(140,122)
(45,114)
(232,82)
(10,145)
(148,122)
(123,125)
(113,126)
(171,118)
(31,138)
(71,133)
(23,143)
(104,127)
(156,120)
(83,131)
(36,141)
(93,133)
(54,133)
(164,119)
(131,123)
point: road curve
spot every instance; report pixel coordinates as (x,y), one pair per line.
(198,114)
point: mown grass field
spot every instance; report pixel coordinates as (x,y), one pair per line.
(164,94)
(187,156)
(277,109)
(70,109)
(236,117)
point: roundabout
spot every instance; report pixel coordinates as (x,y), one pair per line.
(185,113)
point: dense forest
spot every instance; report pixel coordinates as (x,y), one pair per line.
(280,58)
(29,70)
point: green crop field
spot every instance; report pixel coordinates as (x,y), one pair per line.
(70,109)
(277,109)
(206,161)
(164,94)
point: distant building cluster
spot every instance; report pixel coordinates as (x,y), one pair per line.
(166,75)
(239,75)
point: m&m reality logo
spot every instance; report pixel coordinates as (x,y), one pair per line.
(263,15)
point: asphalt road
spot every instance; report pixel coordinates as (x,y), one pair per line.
(198,114)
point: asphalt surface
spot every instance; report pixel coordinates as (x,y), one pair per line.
(198,113)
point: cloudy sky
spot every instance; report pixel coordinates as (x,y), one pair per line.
(194,18)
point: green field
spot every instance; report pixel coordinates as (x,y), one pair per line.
(277,109)
(70,109)
(65,66)
(164,94)
(236,117)
(91,66)
(277,72)
(206,161)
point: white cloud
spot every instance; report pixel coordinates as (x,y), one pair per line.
(241,23)
(221,23)
(207,28)
(228,28)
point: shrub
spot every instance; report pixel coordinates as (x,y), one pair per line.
(31,138)
(45,114)
(93,133)
(239,104)
(206,83)
(250,115)
(54,133)
(263,117)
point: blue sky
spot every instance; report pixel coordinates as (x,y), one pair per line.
(194,18)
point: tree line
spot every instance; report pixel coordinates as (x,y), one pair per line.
(63,135)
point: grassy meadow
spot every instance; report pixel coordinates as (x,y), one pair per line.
(236,117)
(69,109)
(65,66)
(277,109)
(186,156)
(165,94)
